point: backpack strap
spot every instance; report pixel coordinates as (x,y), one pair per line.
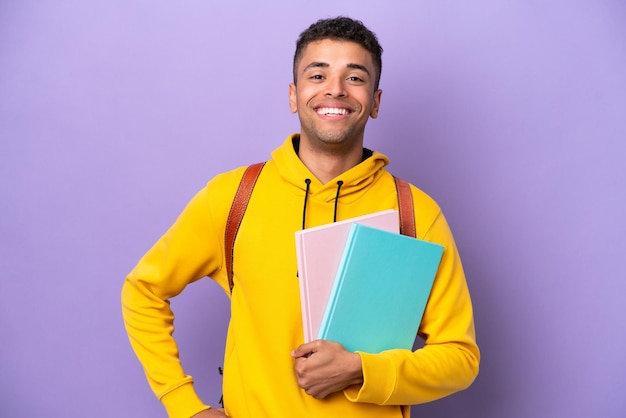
(405,207)
(238,208)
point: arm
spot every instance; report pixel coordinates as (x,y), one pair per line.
(184,254)
(449,360)
(447,363)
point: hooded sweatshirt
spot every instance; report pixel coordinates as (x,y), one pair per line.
(266,322)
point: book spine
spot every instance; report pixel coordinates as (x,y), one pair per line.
(304,290)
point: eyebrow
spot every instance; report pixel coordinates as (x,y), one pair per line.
(359,67)
(317,64)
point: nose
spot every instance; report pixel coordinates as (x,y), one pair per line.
(335,87)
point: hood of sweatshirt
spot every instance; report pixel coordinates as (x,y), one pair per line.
(353,182)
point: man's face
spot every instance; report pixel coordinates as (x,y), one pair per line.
(334,95)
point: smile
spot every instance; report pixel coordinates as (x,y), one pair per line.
(332,111)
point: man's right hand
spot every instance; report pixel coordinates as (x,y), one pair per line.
(211,413)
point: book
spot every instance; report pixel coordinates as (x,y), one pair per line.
(381,290)
(319,250)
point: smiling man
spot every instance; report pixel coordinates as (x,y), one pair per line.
(334,92)
(319,175)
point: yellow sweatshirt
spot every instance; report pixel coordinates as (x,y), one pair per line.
(266,323)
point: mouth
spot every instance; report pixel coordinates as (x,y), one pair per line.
(332,111)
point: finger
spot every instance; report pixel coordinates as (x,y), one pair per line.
(305,350)
(299,368)
(317,392)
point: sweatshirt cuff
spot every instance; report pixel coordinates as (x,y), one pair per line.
(379,380)
(183,402)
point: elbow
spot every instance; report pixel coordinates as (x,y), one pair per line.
(472,365)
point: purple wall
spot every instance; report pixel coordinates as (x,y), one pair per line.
(511,114)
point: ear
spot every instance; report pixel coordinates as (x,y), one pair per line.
(293,98)
(376,104)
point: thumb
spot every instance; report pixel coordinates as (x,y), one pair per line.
(305,350)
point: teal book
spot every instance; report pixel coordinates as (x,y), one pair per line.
(380,291)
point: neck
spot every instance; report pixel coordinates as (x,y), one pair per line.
(329,162)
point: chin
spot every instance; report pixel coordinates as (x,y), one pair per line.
(333,137)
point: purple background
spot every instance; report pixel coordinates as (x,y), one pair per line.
(114,113)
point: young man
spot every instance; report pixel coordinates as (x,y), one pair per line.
(319,175)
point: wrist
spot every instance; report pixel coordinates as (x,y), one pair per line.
(356,369)
(182,401)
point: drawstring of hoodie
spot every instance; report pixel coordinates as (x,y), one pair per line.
(306,199)
(339,184)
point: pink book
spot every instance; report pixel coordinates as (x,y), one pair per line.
(319,252)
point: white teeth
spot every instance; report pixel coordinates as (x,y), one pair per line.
(332,111)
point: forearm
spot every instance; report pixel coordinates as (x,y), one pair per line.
(401,377)
(149,324)
(447,363)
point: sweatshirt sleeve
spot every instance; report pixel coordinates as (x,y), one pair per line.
(448,361)
(188,251)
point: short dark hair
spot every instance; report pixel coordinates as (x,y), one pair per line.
(343,29)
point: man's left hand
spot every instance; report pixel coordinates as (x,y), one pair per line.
(325,367)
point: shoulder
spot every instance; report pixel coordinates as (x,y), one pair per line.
(227,180)
(427,210)
(422,201)
(218,193)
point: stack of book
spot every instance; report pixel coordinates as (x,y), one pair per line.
(363,284)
